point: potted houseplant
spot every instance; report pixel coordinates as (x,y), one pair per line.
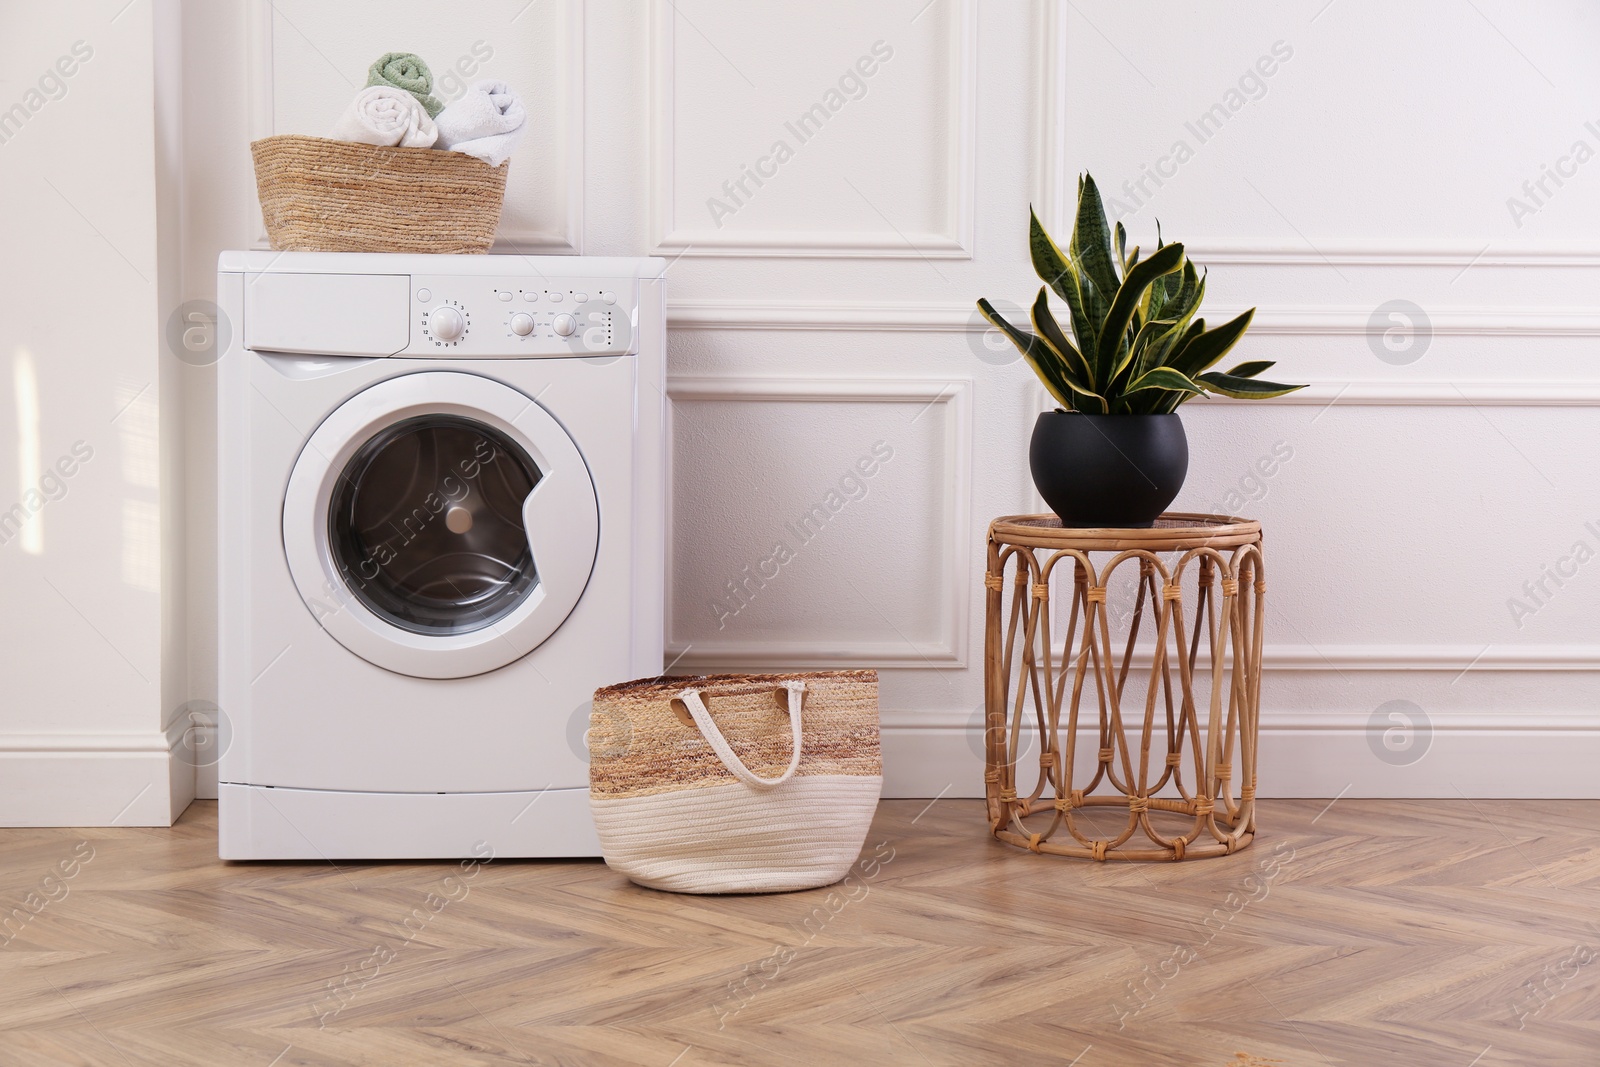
(1114,453)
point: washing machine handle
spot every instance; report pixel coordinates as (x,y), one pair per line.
(562,523)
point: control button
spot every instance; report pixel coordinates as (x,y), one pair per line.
(555,297)
(521,324)
(580,298)
(610,298)
(446,323)
(424,295)
(503,294)
(565,325)
(595,337)
(530,295)
(458,520)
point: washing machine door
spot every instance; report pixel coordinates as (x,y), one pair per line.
(440,524)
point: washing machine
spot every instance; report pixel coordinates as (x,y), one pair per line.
(440,529)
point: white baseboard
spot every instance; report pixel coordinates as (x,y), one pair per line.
(1464,756)
(132,780)
(93,779)
(205,782)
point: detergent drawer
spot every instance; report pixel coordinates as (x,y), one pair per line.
(327,314)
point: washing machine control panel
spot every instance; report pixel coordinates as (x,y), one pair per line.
(517,318)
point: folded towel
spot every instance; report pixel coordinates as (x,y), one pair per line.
(384,115)
(405,71)
(487,122)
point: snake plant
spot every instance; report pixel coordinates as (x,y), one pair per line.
(1136,347)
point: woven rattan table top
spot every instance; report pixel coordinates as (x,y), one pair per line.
(1174,531)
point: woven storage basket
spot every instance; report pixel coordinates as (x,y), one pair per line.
(696,788)
(319,195)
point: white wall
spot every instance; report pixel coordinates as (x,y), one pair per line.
(1435,470)
(95,636)
(829,308)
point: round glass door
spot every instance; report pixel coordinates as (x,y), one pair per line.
(440,524)
(425,524)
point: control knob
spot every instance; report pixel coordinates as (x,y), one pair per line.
(446,324)
(521,324)
(565,325)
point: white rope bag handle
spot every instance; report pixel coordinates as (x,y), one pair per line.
(730,759)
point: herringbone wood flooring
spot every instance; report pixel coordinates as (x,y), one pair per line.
(1392,932)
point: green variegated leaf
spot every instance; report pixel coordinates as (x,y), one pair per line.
(1150,336)
(1049,262)
(1154,302)
(1136,343)
(1243,388)
(1163,378)
(1164,334)
(1171,401)
(1047,365)
(1024,340)
(1028,345)
(1161,355)
(1088,311)
(1191,290)
(1049,331)
(1157,352)
(1205,349)
(1112,351)
(1089,402)
(1091,239)
(1190,332)
(1164,294)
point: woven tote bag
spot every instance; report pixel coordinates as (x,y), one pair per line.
(742,783)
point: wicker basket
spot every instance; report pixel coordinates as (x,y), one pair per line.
(741,783)
(319,195)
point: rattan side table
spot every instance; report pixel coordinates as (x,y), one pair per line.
(1173,797)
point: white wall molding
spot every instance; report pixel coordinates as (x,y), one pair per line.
(1486,322)
(796,244)
(811,655)
(953,578)
(1054,198)
(1424,393)
(1326,253)
(1458,321)
(569,241)
(1282,321)
(821,315)
(1465,755)
(954,241)
(1449,659)
(968,721)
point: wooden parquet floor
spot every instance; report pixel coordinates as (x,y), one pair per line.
(1372,933)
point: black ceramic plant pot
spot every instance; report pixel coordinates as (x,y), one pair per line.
(1108,470)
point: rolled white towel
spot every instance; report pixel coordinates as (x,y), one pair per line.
(384,115)
(487,122)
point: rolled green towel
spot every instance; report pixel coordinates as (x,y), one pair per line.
(403,70)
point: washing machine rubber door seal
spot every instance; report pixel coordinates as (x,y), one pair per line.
(560,516)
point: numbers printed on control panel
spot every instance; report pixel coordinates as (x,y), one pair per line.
(557,320)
